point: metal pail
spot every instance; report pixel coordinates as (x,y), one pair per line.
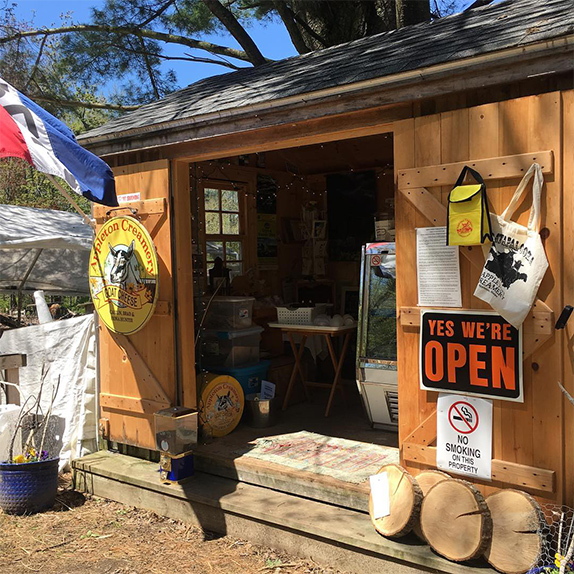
(260,413)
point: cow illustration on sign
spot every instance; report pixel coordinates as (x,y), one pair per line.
(505,267)
(124,274)
(224,402)
(123,267)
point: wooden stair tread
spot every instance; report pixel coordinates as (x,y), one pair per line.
(330,524)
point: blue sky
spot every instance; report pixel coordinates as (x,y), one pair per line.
(272,38)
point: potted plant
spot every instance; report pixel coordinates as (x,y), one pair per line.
(29,479)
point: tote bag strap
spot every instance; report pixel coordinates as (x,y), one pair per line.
(534,219)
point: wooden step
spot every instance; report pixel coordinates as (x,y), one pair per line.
(331,535)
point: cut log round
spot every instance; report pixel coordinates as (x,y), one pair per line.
(517,521)
(455,520)
(405,502)
(426,480)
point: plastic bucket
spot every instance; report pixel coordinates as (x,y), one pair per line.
(260,413)
(28,487)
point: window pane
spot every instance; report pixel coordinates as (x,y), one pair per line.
(214,249)
(235,268)
(229,200)
(233,250)
(212,226)
(211,199)
(230,223)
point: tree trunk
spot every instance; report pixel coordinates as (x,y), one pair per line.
(288,18)
(455,520)
(411,12)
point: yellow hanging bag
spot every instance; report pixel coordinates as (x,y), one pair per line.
(468,221)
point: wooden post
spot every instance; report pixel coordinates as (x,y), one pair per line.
(72,201)
(9,365)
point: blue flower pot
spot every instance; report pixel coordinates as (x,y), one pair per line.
(28,487)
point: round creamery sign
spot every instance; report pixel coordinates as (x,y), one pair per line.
(124,275)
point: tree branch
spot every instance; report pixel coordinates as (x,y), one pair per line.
(133,31)
(187,58)
(157,13)
(309,30)
(211,61)
(477,4)
(227,18)
(149,70)
(288,18)
(36,63)
(89,105)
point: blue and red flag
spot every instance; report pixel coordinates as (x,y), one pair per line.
(29,132)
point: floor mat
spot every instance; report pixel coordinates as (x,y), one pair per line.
(345,460)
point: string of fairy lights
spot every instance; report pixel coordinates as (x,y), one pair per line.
(216,170)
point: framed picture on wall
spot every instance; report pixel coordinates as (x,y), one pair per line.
(350,300)
(319,229)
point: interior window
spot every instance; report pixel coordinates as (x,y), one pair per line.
(223,208)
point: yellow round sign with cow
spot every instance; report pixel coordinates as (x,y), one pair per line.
(124,275)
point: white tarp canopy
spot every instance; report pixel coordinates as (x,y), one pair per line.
(65,351)
(43,249)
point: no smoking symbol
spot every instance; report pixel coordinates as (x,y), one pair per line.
(463,417)
(375,260)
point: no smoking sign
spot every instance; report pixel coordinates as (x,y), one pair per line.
(464,435)
(463,417)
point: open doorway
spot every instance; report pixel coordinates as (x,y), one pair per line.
(288,229)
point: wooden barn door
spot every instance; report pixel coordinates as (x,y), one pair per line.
(138,372)
(528,438)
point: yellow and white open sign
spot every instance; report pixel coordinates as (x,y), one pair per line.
(124,275)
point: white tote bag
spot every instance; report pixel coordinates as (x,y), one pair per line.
(516,262)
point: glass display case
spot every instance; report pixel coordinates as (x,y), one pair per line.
(377,335)
(175,430)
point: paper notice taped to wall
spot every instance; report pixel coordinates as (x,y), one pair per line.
(438,269)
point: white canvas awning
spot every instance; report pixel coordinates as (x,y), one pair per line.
(43,249)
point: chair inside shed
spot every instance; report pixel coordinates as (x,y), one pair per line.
(287,228)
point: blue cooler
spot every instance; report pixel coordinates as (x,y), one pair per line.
(249,377)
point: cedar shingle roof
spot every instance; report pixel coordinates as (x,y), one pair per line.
(494,27)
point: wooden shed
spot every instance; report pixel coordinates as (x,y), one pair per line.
(490,88)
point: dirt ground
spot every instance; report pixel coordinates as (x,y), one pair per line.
(84,534)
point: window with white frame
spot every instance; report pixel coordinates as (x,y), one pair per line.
(223,208)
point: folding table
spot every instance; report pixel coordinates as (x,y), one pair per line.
(328,333)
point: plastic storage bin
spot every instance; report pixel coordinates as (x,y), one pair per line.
(300,315)
(229,313)
(249,377)
(231,348)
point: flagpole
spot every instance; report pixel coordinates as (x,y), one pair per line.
(71,200)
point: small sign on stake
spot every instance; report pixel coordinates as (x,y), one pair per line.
(464,435)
